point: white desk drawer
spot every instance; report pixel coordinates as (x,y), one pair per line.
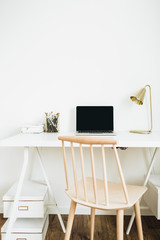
(32,203)
(27,229)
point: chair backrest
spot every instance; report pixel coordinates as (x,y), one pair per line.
(91,141)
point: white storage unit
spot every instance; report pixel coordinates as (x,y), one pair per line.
(27,229)
(152,196)
(33,201)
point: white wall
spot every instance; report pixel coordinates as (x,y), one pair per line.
(55,55)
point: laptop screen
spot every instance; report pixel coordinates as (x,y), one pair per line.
(94,118)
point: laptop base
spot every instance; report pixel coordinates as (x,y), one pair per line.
(95,133)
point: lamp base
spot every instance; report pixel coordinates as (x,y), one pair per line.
(140,131)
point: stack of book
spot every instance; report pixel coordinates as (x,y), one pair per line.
(32,129)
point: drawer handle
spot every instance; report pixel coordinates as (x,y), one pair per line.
(22,208)
(21,238)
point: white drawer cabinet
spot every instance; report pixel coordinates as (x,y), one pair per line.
(27,229)
(152,196)
(32,203)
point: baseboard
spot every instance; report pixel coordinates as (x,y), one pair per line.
(1,209)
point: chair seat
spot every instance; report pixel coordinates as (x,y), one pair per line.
(115,192)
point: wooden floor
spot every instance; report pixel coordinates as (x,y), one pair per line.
(105,228)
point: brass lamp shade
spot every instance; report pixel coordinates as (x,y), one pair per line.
(138,98)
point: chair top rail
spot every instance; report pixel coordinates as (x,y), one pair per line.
(88,140)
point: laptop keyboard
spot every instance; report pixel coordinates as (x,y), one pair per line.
(95,133)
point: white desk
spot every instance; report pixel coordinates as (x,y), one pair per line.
(124,139)
(32,140)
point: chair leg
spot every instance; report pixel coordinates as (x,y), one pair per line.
(70,220)
(120,223)
(92,223)
(138,220)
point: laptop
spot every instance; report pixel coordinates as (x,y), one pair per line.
(95,120)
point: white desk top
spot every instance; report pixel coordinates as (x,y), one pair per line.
(124,139)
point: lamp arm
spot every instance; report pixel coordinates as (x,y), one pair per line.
(150,107)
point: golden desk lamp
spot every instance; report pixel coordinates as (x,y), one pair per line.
(138,98)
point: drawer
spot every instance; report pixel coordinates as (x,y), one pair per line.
(26,209)
(32,203)
(27,229)
(152,196)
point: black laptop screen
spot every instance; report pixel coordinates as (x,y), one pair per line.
(94,118)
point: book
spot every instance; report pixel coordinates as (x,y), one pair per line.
(32,129)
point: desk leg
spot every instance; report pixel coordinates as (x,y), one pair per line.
(17,195)
(50,191)
(144,184)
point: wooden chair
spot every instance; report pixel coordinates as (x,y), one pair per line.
(96,193)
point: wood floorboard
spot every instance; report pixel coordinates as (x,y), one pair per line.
(105,228)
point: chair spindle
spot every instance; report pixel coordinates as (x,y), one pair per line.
(105,176)
(83,173)
(74,170)
(65,165)
(93,174)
